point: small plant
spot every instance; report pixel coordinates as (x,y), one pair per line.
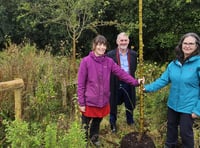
(50,136)
(76,136)
(20,134)
(24,135)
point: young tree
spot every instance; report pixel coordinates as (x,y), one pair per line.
(74,15)
(77,16)
(141,69)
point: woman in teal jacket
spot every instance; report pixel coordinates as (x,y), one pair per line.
(184,98)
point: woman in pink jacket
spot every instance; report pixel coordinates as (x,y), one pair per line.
(94,86)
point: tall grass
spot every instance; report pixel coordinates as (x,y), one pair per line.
(42,96)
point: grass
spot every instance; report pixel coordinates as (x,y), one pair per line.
(112,140)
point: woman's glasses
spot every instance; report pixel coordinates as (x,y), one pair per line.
(189,44)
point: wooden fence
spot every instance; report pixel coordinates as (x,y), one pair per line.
(16,85)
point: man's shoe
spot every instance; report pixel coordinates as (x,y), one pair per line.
(130,124)
(113,128)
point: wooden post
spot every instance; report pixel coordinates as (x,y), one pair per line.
(18,104)
(64,93)
(14,84)
(17,86)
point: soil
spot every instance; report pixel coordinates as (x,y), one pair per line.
(131,140)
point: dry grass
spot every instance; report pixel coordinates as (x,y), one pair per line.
(112,140)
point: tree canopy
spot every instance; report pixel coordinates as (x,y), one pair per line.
(67,24)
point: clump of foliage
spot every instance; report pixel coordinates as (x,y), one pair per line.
(24,135)
(20,134)
(76,136)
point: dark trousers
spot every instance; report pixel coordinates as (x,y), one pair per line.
(185,122)
(91,126)
(124,95)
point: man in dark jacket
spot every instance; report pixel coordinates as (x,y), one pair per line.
(122,92)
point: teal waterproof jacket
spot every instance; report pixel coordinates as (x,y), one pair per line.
(184,95)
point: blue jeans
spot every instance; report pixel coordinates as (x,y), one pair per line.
(185,122)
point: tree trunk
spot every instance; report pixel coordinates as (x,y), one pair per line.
(141,69)
(74,46)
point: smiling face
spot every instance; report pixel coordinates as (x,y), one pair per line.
(100,49)
(99,45)
(122,41)
(189,46)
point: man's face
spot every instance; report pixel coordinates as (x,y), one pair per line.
(123,42)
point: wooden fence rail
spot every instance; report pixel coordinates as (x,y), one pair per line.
(16,85)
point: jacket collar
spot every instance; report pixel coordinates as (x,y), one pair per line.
(192,59)
(99,58)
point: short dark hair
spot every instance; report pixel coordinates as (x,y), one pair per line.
(99,39)
(178,49)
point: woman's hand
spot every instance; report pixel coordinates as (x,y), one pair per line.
(82,108)
(141,81)
(194,116)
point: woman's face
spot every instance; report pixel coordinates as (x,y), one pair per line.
(189,46)
(100,49)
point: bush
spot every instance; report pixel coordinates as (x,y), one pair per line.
(25,135)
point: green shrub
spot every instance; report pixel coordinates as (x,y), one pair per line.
(76,136)
(21,134)
(24,135)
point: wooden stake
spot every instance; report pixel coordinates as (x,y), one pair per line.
(17,85)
